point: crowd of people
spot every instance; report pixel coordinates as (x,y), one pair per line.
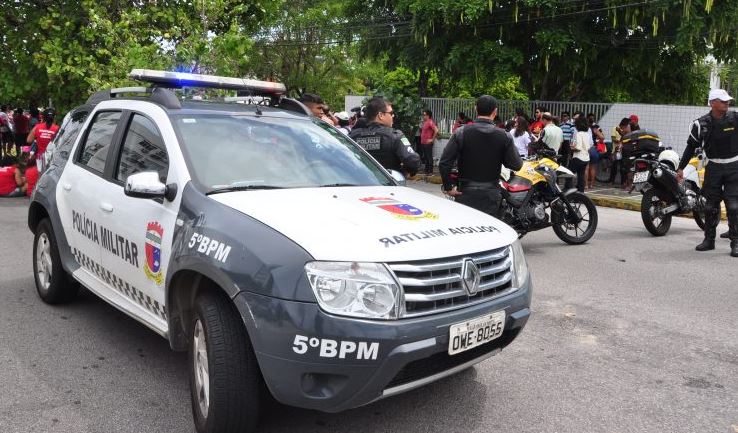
(578,140)
(24,136)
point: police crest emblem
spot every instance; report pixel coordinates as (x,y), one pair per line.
(399,209)
(152,268)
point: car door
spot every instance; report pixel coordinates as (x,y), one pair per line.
(77,197)
(138,246)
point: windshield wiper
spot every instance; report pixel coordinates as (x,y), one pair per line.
(337,184)
(241,188)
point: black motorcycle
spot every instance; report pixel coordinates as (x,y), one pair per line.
(663,195)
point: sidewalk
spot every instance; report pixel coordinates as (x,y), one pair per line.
(605,195)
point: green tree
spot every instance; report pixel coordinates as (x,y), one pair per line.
(559,49)
(62,50)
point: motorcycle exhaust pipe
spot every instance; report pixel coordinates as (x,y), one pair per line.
(667,181)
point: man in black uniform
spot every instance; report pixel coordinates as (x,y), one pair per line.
(480,149)
(388,146)
(717,133)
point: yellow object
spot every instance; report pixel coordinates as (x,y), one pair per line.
(529,172)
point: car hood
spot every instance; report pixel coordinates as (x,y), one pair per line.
(372,224)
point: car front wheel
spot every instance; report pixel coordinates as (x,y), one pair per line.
(225,380)
(53,284)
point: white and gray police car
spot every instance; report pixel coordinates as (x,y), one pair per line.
(271,247)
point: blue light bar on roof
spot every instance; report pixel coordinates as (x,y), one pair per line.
(183,79)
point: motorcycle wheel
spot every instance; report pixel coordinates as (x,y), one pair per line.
(699,218)
(575,233)
(699,213)
(657,226)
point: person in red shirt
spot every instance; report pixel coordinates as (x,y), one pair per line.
(428,133)
(12,182)
(537,125)
(31,176)
(461,120)
(43,133)
(21,129)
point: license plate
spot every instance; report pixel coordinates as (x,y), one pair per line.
(475,332)
(641,176)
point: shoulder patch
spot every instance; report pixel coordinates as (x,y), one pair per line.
(405,141)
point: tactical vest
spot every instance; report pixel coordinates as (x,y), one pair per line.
(380,142)
(719,138)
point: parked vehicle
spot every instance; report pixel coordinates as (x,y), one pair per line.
(663,196)
(532,200)
(273,249)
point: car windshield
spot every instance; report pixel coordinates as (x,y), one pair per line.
(228,152)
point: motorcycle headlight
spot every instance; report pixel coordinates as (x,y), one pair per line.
(354,289)
(520,266)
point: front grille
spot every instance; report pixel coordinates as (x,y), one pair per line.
(432,286)
(440,362)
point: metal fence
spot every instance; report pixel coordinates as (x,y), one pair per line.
(445,110)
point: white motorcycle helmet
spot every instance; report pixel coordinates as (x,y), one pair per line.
(669,157)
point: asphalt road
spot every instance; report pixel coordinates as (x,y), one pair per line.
(629,333)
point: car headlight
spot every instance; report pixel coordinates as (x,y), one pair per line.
(520,266)
(356,289)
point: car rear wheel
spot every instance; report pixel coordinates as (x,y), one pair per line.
(53,284)
(225,381)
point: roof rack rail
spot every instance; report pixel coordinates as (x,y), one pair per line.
(165,97)
(183,79)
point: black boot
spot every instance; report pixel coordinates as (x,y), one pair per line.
(733,226)
(706,245)
(712,218)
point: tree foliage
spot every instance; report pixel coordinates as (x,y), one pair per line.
(608,50)
(62,50)
(560,49)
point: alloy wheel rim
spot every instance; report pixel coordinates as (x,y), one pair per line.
(44,267)
(202,376)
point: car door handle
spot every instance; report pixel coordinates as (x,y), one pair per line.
(67,186)
(106,207)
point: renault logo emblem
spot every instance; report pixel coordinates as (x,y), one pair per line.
(470,276)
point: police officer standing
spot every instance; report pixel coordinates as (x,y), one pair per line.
(717,133)
(388,146)
(480,149)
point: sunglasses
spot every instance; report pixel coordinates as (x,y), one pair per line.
(391,113)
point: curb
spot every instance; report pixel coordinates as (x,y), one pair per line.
(632,204)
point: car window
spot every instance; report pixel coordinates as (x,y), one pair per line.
(95,148)
(68,134)
(143,150)
(227,150)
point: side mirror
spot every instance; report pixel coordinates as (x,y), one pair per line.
(147,185)
(397,176)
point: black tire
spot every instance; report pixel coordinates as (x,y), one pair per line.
(657,226)
(563,223)
(699,213)
(699,218)
(232,386)
(53,284)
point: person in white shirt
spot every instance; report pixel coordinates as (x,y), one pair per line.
(580,144)
(521,137)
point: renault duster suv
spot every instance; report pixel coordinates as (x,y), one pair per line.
(271,247)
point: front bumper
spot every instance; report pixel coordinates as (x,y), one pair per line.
(315,360)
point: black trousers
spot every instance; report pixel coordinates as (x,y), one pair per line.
(618,166)
(427,157)
(485,200)
(579,168)
(721,183)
